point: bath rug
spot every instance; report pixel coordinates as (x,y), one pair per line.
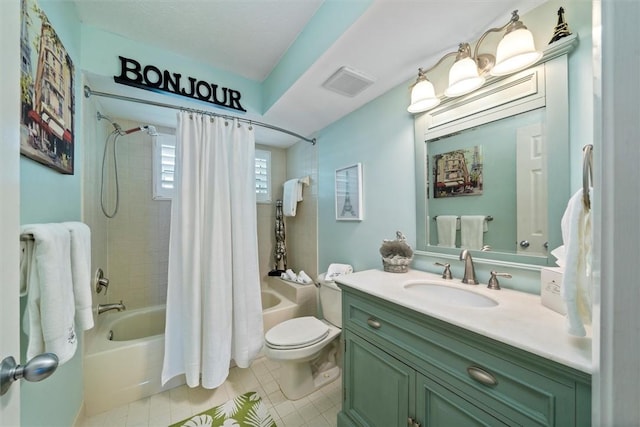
(246,410)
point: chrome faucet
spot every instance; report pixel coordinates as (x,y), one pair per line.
(469,270)
(107,307)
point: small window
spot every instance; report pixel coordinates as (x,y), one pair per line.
(164,161)
(263,176)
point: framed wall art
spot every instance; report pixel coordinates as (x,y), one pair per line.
(349,193)
(47,82)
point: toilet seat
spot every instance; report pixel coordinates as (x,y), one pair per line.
(296,333)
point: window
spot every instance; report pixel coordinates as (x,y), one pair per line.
(263,176)
(164,155)
(164,160)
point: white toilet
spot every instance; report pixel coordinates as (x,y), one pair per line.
(307,347)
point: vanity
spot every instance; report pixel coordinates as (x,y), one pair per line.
(424,351)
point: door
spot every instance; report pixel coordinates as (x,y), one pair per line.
(532,234)
(9,198)
(379,388)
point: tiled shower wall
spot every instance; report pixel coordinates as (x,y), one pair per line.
(302,229)
(133,247)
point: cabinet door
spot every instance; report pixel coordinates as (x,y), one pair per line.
(437,406)
(378,387)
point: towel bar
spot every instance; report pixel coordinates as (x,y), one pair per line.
(26,237)
(587,174)
(488,218)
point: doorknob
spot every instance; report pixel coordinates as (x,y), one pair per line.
(36,369)
(524,244)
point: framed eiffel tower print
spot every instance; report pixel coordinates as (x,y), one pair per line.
(349,193)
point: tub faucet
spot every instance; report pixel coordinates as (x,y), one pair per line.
(107,307)
(469,270)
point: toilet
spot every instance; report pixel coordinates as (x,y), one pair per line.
(307,347)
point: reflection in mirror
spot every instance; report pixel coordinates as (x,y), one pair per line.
(496,170)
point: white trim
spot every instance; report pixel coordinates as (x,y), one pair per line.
(163,144)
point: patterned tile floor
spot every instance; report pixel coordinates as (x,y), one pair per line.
(319,409)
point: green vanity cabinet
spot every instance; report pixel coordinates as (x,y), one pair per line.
(404,368)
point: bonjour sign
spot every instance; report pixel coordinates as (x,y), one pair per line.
(150,77)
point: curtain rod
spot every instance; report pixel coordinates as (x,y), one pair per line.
(88,92)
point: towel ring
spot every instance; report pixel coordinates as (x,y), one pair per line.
(587,174)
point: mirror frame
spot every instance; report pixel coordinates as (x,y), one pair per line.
(546,84)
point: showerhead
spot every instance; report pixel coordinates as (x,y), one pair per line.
(151,130)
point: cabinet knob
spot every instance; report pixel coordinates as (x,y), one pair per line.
(482,376)
(373,323)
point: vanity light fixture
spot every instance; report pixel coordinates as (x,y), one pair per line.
(516,51)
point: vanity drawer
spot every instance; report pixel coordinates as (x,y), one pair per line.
(525,388)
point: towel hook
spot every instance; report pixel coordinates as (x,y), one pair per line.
(587,174)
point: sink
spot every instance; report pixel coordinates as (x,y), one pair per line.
(449,295)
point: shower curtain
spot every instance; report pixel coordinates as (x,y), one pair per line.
(214,309)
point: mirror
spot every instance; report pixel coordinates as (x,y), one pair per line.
(497,171)
(473,158)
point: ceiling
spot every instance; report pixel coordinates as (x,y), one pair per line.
(388,42)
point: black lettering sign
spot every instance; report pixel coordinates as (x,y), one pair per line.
(150,77)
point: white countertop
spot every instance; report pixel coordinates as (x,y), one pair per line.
(519,319)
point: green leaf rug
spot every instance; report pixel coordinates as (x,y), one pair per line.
(246,410)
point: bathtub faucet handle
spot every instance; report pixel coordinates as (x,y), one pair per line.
(100,281)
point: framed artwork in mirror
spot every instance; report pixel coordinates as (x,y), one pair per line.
(458,173)
(349,193)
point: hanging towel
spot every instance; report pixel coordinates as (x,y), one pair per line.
(292,194)
(48,318)
(447,225)
(81,273)
(576,280)
(471,229)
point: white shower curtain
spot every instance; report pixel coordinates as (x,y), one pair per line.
(214,309)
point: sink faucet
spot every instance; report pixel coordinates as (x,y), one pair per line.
(469,270)
(107,307)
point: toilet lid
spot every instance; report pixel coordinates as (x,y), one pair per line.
(296,333)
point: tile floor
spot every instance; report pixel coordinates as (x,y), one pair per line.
(319,409)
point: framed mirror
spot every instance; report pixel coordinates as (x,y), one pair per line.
(494,165)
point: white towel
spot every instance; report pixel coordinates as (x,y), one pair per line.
(81,273)
(576,281)
(446,226)
(291,275)
(292,194)
(336,270)
(304,278)
(471,229)
(48,318)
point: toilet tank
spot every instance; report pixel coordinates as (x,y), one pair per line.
(331,302)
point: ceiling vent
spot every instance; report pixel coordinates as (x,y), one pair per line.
(349,82)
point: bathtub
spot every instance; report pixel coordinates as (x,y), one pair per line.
(123,359)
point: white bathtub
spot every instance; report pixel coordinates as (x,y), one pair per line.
(128,367)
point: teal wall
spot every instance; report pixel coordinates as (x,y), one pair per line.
(380,136)
(48,196)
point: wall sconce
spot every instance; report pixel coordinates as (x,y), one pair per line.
(516,51)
